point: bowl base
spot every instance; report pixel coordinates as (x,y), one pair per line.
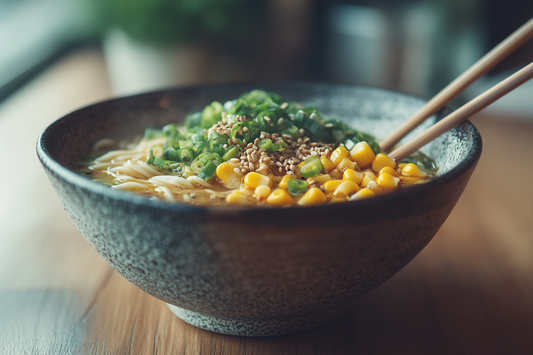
(256,327)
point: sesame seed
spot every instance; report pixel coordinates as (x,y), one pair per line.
(230,142)
(313,153)
(244,170)
(280,121)
(252,167)
(256,142)
(237,171)
(279,164)
(284,105)
(266,118)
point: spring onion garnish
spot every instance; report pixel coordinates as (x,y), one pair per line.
(313,167)
(172,153)
(265,144)
(186,155)
(208,171)
(201,161)
(297,186)
(231,152)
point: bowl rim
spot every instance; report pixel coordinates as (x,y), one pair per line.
(83,182)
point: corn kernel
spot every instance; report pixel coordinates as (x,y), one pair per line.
(370,173)
(387,181)
(253,179)
(331,185)
(382,160)
(373,185)
(261,192)
(413,170)
(321,179)
(363,193)
(346,189)
(284,183)
(238,198)
(327,164)
(279,197)
(313,196)
(227,176)
(389,170)
(362,154)
(366,180)
(335,174)
(338,199)
(409,180)
(346,163)
(355,176)
(401,165)
(339,154)
(301,164)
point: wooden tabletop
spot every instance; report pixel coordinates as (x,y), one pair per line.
(470,291)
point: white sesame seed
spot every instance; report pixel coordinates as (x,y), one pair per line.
(280,121)
(252,167)
(238,171)
(313,153)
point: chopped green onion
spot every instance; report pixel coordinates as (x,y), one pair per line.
(193,120)
(171,153)
(297,186)
(151,133)
(350,143)
(311,168)
(231,152)
(200,162)
(185,144)
(241,130)
(197,138)
(170,130)
(265,144)
(186,155)
(201,148)
(315,129)
(211,114)
(208,171)
(267,121)
(291,131)
(375,147)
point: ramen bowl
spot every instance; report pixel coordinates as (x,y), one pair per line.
(247,270)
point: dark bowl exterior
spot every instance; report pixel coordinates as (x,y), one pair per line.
(255,263)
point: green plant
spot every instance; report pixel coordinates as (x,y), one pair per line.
(226,22)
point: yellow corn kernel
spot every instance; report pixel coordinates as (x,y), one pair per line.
(284,183)
(338,199)
(355,176)
(253,179)
(413,170)
(313,196)
(373,185)
(401,165)
(261,192)
(238,198)
(335,174)
(346,189)
(274,179)
(346,163)
(279,197)
(362,154)
(363,193)
(366,180)
(382,160)
(409,180)
(389,170)
(227,176)
(301,164)
(327,164)
(331,185)
(387,181)
(321,179)
(339,154)
(370,173)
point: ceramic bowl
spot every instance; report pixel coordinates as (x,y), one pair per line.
(255,271)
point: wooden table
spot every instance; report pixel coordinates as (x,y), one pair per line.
(470,291)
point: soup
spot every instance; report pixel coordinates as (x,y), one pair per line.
(255,150)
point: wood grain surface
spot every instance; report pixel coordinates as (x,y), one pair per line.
(470,291)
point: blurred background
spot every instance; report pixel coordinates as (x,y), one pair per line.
(414,46)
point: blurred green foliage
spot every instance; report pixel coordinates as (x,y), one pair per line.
(226,22)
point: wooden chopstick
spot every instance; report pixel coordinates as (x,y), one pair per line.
(463,113)
(497,54)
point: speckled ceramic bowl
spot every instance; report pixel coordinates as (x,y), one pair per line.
(255,271)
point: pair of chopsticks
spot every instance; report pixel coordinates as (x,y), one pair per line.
(483,65)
